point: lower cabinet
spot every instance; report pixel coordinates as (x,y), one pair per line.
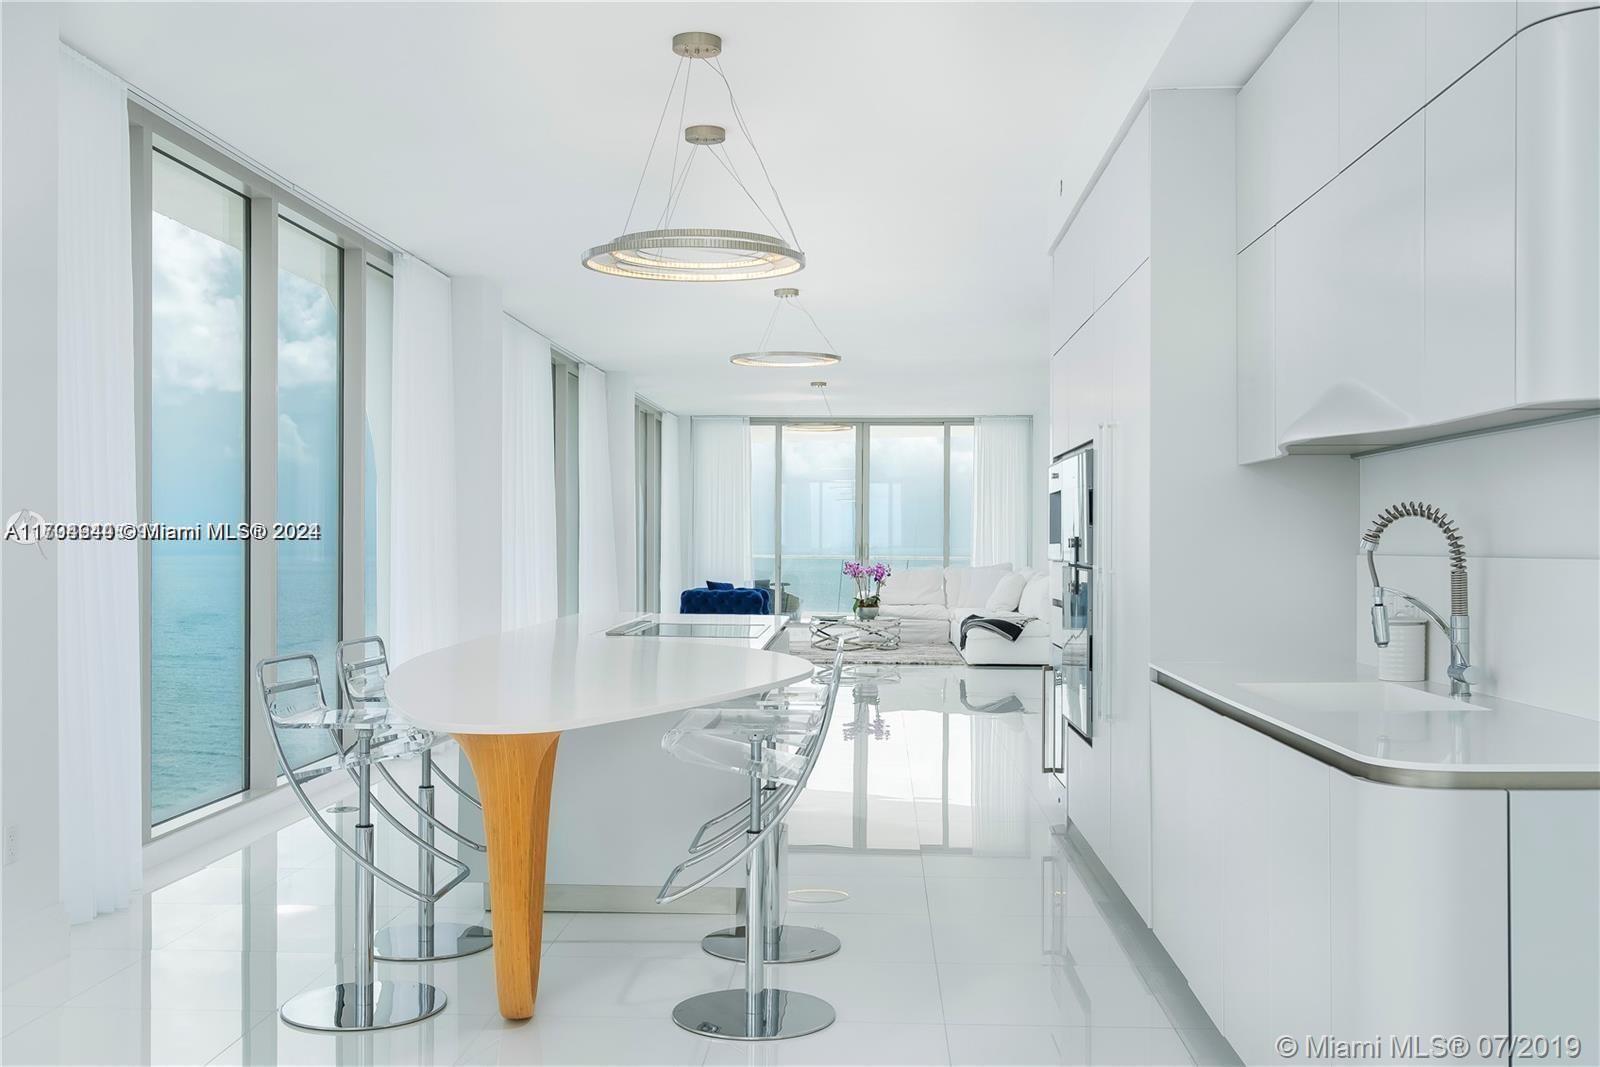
(1299,901)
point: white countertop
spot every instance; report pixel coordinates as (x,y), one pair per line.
(1423,738)
(568,674)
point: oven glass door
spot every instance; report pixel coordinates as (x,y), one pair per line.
(1076,690)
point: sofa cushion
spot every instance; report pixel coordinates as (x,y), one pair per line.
(1007,591)
(937,612)
(1035,599)
(1032,629)
(920,586)
(969,587)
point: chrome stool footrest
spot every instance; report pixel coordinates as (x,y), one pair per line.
(778,753)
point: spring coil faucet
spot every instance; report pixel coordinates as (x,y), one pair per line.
(1463,675)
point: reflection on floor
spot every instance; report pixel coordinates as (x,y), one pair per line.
(974,931)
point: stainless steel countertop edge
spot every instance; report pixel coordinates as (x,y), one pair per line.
(1416,777)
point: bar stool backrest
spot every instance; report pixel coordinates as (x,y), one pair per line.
(291,686)
(363,669)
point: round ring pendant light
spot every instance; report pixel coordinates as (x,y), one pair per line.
(698,254)
(786,357)
(819,426)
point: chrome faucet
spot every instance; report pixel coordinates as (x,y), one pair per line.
(1463,675)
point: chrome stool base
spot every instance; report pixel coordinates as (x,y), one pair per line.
(410,943)
(342,1008)
(722,1014)
(796,944)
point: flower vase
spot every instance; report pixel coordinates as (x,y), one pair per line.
(865,613)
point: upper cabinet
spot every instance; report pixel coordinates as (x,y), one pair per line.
(1441,274)
(1072,286)
(1469,233)
(1558,209)
(1381,71)
(1461,32)
(1288,122)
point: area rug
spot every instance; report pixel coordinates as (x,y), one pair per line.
(926,645)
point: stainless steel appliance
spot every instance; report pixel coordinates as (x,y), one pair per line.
(1076,655)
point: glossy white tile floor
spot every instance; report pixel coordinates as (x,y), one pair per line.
(974,931)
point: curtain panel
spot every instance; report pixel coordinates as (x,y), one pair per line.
(721,501)
(1002,491)
(97,591)
(597,536)
(423,579)
(528,483)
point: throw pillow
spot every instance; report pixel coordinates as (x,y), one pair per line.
(1006,593)
(719,585)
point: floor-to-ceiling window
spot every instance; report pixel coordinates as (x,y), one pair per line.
(245,444)
(892,491)
(309,310)
(817,526)
(647,504)
(376,446)
(564,399)
(198,463)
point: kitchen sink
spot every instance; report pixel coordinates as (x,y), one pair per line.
(1355,696)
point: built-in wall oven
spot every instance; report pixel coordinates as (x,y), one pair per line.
(1073,583)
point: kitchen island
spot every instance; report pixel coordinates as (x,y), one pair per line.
(508,699)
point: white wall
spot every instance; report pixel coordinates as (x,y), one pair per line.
(34,927)
(1527,501)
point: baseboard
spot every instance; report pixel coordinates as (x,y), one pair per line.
(713,900)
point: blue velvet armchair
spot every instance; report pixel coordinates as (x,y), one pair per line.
(721,598)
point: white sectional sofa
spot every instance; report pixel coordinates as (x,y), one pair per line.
(949,595)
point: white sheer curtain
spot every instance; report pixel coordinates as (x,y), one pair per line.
(597,535)
(671,514)
(721,501)
(97,592)
(1002,491)
(422,558)
(528,480)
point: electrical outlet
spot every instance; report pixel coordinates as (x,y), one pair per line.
(13,843)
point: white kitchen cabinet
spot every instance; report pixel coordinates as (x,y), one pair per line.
(1555,882)
(1186,842)
(1123,517)
(1089,790)
(1349,298)
(1419,910)
(1288,122)
(1072,283)
(1258,439)
(1086,388)
(1461,32)
(1121,211)
(1382,73)
(1558,210)
(1469,237)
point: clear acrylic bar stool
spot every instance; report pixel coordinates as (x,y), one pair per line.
(293,699)
(363,672)
(713,736)
(778,754)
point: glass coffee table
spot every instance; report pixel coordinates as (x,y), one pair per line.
(878,635)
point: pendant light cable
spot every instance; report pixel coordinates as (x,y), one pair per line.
(727,164)
(645,170)
(738,117)
(795,300)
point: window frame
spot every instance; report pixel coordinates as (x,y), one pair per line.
(268,200)
(564,402)
(863,467)
(647,504)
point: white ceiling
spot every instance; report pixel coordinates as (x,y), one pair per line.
(915,145)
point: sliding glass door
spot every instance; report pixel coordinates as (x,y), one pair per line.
(897,492)
(818,529)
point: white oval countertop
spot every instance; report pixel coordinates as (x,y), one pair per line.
(568,674)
